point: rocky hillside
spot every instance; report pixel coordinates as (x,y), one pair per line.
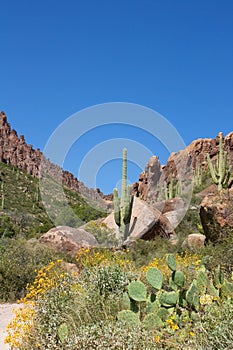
(181,168)
(15,151)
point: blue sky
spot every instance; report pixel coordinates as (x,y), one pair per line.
(174,56)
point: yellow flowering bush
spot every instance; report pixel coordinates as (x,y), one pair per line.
(187,262)
(51,279)
(89,257)
(20,327)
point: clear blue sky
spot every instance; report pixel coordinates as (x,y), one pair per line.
(174,56)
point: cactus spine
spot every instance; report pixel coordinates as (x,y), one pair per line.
(221,173)
(122,212)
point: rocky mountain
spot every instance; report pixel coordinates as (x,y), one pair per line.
(167,188)
(15,151)
(181,166)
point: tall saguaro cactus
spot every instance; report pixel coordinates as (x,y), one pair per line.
(123,210)
(220,173)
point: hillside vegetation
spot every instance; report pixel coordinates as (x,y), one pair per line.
(22,211)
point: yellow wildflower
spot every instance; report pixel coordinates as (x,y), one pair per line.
(157,339)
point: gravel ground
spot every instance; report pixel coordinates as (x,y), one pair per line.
(6,315)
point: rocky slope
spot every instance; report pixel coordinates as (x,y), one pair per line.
(181,166)
(15,151)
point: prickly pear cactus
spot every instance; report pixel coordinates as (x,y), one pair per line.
(137,291)
(129,317)
(178,278)
(155,277)
(227,290)
(192,296)
(202,281)
(63,332)
(171,262)
(168,299)
(218,278)
(152,321)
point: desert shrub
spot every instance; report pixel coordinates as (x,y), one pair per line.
(18,262)
(89,257)
(49,301)
(8,228)
(143,252)
(106,280)
(105,336)
(220,253)
(80,311)
(104,235)
(215,328)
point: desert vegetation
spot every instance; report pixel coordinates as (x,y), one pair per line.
(144,295)
(114,301)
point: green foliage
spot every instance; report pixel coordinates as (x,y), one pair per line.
(107,280)
(23,213)
(214,329)
(104,235)
(8,228)
(93,310)
(18,261)
(142,252)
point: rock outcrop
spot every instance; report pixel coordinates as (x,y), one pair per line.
(194,241)
(181,165)
(68,239)
(146,223)
(15,151)
(216,215)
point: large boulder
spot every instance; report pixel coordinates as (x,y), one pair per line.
(68,239)
(216,214)
(173,209)
(194,241)
(146,223)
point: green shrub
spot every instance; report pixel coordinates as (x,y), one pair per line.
(18,261)
(143,252)
(215,328)
(105,236)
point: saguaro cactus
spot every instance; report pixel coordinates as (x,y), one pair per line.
(221,172)
(3,195)
(123,211)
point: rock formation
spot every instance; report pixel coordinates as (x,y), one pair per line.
(216,214)
(194,241)
(146,223)
(179,164)
(68,239)
(15,151)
